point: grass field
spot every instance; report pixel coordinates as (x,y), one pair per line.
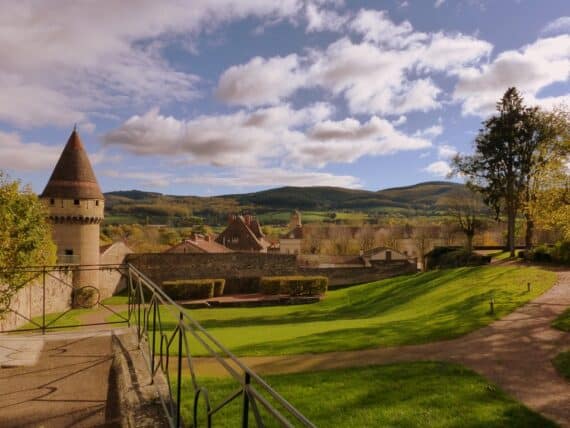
(426,394)
(399,311)
(69,320)
(562,364)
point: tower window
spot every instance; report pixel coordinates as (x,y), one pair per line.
(68,252)
(76,202)
(96,203)
(52,201)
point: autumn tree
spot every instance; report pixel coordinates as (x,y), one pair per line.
(505,150)
(25,237)
(546,200)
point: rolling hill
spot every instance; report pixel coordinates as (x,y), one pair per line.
(136,206)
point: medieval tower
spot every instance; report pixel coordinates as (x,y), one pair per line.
(75,205)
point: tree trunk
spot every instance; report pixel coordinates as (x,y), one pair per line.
(529,233)
(469,243)
(511,217)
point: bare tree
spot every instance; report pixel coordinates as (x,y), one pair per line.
(465,207)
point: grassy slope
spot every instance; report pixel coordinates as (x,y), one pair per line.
(399,311)
(403,395)
(563,321)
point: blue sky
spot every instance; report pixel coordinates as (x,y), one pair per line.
(226,96)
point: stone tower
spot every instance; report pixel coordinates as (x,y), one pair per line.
(75,204)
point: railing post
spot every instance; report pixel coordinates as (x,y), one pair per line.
(130,297)
(179,374)
(153,349)
(245,411)
(44,300)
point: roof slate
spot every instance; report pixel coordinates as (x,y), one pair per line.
(73,176)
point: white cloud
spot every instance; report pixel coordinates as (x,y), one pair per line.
(146,178)
(430,132)
(64,59)
(438,3)
(400,121)
(373,75)
(438,168)
(260,81)
(264,136)
(446,151)
(530,69)
(20,156)
(256,177)
(560,25)
(321,19)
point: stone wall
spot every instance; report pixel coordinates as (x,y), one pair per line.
(170,266)
(110,280)
(238,268)
(339,276)
(28,301)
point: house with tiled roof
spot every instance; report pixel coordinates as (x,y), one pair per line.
(197,243)
(244,233)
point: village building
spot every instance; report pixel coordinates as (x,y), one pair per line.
(198,243)
(383,254)
(291,242)
(244,233)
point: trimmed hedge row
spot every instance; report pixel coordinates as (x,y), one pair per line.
(194,288)
(294,285)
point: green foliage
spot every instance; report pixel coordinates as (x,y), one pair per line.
(193,288)
(504,158)
(418,394)
(295,285)
(25,236)
(405,310)
(451,257)
(559,253)
(562,364)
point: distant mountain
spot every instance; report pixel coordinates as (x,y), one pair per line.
(428,197)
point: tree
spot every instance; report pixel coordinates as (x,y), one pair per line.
(547,197)
(465,207)
(25,237)
(505,150)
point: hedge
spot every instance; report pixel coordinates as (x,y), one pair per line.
(294,285)
(191,288)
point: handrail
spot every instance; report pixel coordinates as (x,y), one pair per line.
(187,324)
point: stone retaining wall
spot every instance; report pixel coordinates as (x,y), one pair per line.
(28,301)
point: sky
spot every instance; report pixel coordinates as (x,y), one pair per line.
(207,97)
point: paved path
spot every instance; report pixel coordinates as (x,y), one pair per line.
(57,380)
(514,352)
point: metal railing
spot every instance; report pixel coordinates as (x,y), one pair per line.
(169,354)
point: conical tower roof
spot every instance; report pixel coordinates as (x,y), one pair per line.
(73,176)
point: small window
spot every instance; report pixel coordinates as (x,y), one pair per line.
(68,252)
(52,201)
(76,202)
(96,203)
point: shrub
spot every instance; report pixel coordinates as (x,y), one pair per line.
(189,289)
(449,257)
(295,285)
(559,253)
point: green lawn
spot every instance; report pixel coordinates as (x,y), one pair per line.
(399,311)
(69,320)
(563,321)
(426,394)
(562,364)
